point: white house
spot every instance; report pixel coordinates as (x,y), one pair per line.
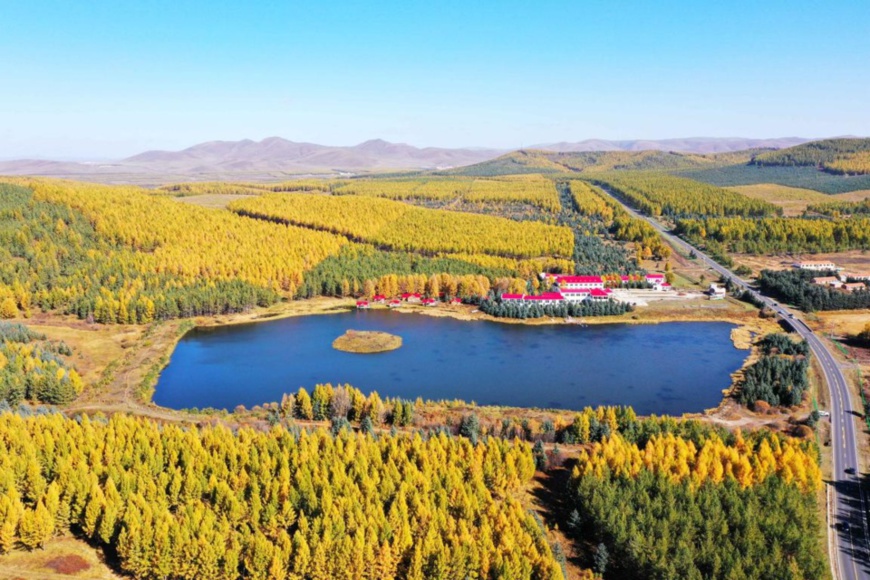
(817,266)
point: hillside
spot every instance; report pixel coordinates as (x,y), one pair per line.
(703,145)
(539,161)
(818,153)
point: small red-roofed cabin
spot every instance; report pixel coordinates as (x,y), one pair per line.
(456,300)
(379,298)
(429,302)
(406,295)
(362,304)
(394,303)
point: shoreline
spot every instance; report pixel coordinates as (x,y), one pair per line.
(113,396)
(748,325)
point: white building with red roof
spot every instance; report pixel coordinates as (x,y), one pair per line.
(577,282)
(657,281)
(545,299)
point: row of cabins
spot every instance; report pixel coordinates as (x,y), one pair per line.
(839,283)
(413,298)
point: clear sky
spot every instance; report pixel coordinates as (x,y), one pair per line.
(111,78)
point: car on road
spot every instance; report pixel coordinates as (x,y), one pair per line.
(824,413)
(850,470)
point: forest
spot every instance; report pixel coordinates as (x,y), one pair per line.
(796,287)
(118,255)
(772,235)
(210,503)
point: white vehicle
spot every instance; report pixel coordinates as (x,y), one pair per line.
(824,413)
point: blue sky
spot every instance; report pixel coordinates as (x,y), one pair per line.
(102,79)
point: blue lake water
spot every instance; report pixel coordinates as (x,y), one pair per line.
(670,368)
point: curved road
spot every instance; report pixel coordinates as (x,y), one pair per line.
(848,528)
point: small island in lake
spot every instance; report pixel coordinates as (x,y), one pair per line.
(366,341)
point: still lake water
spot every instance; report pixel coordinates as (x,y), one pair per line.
(669,368)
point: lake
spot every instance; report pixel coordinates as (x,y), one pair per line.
(670,368)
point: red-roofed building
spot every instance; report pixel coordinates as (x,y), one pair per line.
(511,296)
(574,282)
(406,295)
(575,294)
(599,294)
(362,304)
(429,302)
(379,298)
(545,298)
(394,303)
(456,300)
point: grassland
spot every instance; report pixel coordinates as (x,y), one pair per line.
(62,558)
(794,200)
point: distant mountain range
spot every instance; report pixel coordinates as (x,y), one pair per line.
(277,158)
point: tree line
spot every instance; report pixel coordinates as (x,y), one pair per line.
(403,227)
(770,235)
(659,194)
(529,309)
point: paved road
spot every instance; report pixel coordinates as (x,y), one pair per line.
(848,532)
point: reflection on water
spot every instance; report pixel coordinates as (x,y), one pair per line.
(664,368)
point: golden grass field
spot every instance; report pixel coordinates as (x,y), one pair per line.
(62,558)
(794,200)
